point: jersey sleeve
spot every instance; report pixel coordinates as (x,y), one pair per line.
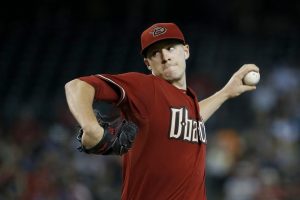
(131,92)
(136,92)
(103,91)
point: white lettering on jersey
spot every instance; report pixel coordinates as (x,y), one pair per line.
(183,128)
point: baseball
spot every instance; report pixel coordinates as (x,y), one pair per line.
(252,78)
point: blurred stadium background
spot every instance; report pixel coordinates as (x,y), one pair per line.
(253,148)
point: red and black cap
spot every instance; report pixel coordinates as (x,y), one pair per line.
(158,32)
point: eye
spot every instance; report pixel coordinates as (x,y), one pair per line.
(171,48)
(154,53)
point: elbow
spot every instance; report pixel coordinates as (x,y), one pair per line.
(204,117)
(75,87)
(78,86)
(69,86)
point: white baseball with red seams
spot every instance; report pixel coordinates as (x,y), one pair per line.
(251,78)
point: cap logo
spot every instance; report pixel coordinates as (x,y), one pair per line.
(158,31)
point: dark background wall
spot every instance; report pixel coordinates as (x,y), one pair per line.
(253,140)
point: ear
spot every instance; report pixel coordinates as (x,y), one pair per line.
(186,49)
(147,64)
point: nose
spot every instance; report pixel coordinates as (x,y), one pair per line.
(165,55)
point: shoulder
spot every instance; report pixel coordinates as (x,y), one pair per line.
(127,78)
(137,75)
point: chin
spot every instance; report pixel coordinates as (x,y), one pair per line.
(172,78)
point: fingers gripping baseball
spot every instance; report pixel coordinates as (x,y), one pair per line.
(246,69)
(236,85)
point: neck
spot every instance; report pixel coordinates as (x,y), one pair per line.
(180,84)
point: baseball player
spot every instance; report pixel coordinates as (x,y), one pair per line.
(162,138)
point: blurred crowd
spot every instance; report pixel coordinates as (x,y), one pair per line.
(260,161)
(39,160)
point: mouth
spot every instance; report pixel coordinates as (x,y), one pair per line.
(169,70)
(166,66)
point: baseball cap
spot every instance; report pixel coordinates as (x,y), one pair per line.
(158,32)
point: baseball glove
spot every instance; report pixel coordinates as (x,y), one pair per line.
(117,139)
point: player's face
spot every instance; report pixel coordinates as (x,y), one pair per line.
(167,59)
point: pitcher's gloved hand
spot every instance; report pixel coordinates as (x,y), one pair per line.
(117,139)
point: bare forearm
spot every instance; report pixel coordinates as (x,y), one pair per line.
(211,104)
(80,96)
(233,88)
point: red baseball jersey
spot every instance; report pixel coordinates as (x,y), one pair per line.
(167,160)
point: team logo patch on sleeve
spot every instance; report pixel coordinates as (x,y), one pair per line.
(183,128)
(158,30)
